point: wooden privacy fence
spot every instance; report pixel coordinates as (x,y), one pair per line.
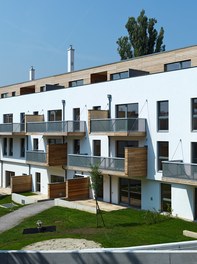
(21,184)
(56,190)
(72,189)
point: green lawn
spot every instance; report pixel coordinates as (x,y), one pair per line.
(123,228)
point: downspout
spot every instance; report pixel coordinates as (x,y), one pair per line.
(109,147)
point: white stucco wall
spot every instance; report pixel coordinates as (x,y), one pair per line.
(183,201)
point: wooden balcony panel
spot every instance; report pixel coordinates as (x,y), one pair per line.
(136,162)
(56,154)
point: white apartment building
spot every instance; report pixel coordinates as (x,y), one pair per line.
(137,119)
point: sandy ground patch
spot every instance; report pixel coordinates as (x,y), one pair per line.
(63,244)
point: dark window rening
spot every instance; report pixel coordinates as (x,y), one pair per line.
(163,111)
(163,153)
(177,65)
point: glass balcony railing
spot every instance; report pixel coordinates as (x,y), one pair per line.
(85,161)
(37,156)
(56,126)
(12,127)
(118,125)
(179,170)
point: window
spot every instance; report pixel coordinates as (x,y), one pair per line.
(194,114)
(35,144)
(130,192)
(76,83)
(5,147)
(22,147)
(127,110)
(96,107)
(119,75)
(122,144)
(165,197)
(42,89)
(52,141)
(76,147)
(38,180)
(10,146)
(55,178)
(177,65)
(162,148)
(35,113)
(55,115)
(4,95)
(13,93)
(8,118)
(96,147)
(162,108)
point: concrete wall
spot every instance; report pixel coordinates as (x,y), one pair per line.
(99,257)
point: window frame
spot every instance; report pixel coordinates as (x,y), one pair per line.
(161,116)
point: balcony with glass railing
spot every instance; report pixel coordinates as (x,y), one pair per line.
(133,165)
(55,155)
(12,128)
(57,127)
(119,126)
(176,171)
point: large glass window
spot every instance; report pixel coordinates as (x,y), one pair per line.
(162,153)
(130,192)
(55,115)
(163,121)
(177,65)
(127,110)
(194,114)
(56,178)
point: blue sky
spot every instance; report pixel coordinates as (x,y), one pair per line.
(37,33)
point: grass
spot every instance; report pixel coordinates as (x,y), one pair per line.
(6,199)
(123,228)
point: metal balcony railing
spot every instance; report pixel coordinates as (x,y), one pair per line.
(12,127)
(118,125)
(179,170)
(36,156)
(104,163)
(56,126)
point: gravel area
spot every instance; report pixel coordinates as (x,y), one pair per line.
(63,244)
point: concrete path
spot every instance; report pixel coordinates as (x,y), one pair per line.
(14,218)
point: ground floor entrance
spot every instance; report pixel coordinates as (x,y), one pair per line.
(130,192)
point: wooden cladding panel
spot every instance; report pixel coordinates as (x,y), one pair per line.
(96,114)
(136,162)
(21,184)
(34,118)
(56,154)
(56,190)
(152,63)
(77,189)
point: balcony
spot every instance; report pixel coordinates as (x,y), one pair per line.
(12,129)
(55,155)
(134,164)
(179,172)
(64,128)
(119,127)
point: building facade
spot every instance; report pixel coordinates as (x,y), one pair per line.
(137,119)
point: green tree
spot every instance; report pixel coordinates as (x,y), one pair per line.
(96,184)
(142,38)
